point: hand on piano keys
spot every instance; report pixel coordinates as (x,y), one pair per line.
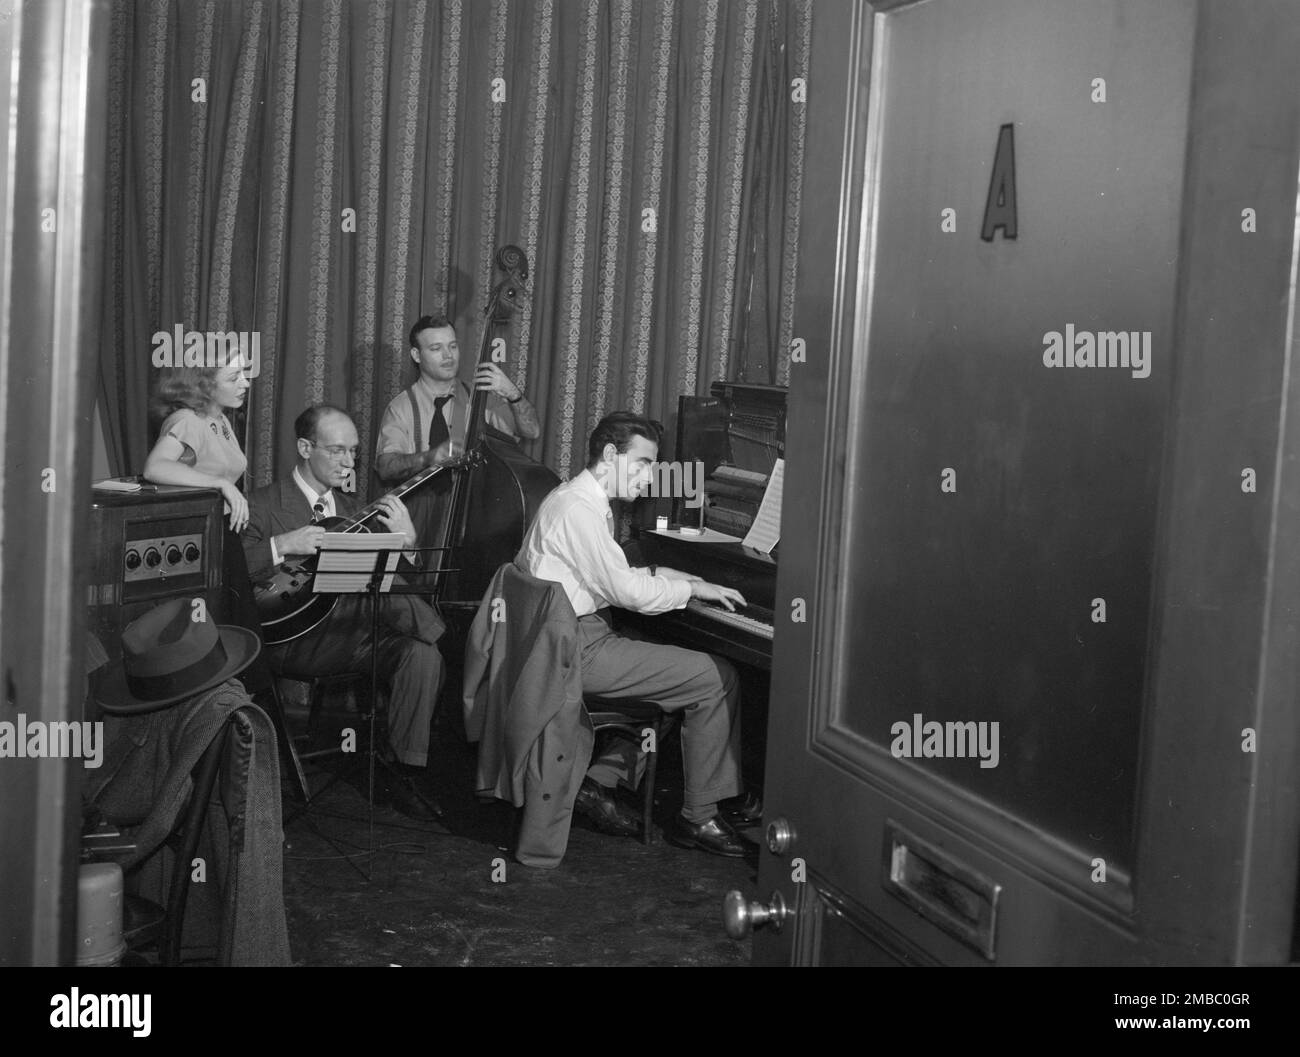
(741,635)
(727,597)
(753,625)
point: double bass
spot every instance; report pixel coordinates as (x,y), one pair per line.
(485,502)
(493,494)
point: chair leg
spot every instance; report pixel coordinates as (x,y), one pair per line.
(651,768)
(205,779)
(288,750)
(314,709)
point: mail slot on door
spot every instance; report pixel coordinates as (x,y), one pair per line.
(950,895)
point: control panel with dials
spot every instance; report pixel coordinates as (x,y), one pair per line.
(162,557)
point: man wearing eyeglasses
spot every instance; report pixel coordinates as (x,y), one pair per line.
(284,521)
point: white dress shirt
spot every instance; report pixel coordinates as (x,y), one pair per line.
(397,426)
(571,542)
(326,500)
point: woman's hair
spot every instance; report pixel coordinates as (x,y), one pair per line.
(178,387)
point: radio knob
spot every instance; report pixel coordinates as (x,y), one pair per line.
(152,558)
(191,552)
(173,555)
(133,559)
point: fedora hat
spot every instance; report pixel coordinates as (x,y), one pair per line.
(168,656)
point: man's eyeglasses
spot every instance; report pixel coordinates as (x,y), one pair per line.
(336,451)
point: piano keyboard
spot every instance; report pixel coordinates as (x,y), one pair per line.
(736,620)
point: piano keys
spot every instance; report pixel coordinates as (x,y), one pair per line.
(753,619)
(744,636)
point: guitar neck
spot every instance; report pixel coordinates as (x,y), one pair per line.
(409,485)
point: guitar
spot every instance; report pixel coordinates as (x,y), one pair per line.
(286,605)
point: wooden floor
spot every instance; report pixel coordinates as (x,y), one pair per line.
(432,899)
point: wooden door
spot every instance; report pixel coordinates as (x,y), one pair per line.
(1041,709)
(53,96)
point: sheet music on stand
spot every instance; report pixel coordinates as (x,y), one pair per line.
(765,533)
(341,572)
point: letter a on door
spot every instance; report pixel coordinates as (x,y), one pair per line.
(1000,208)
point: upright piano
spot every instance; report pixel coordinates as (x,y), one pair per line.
(736,433)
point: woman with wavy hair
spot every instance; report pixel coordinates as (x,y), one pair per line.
(196,445)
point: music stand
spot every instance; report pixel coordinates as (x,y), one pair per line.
(358,568)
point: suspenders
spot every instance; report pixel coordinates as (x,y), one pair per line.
(422,438)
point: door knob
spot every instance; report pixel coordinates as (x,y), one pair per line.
(780,835)
(740,916)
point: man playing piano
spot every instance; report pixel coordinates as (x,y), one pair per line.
(571,542)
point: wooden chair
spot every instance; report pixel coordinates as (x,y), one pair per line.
(145,923)
(319,688)
(623,717)
(630,719)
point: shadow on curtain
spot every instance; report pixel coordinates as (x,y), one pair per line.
(321,173)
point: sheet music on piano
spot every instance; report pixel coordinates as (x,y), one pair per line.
(765,533)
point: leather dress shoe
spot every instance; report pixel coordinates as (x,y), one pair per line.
(742,811)
(715,836)
(597,805)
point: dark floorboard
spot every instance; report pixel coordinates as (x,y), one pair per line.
(432,898)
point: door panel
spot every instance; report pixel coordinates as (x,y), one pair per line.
(837,932)
(1006,549)
(974,605)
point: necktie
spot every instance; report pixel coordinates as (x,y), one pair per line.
(318,511)
(438,432)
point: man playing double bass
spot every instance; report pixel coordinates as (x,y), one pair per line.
(426,423)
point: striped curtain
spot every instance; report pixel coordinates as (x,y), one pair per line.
(322,172)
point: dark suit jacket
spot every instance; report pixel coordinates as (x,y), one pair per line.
(278,508)
(523,705)
(281,507)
